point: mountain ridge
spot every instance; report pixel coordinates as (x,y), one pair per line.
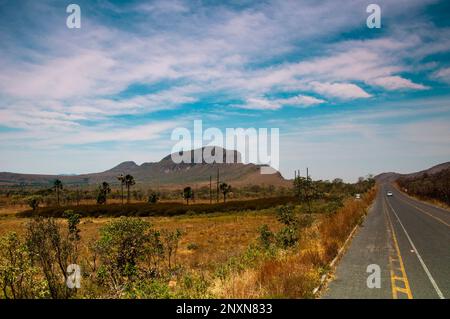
(164,172)
(393,176)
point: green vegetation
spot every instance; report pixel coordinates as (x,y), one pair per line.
(188,194)
(225,189)
(129,181)
(160,209)
(103,192)
(57,184)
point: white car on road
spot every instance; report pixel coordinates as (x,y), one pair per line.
(389,193)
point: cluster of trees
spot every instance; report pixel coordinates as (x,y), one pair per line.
(129,252)
(224,189)
(306,190)
(126,182)
(433,186)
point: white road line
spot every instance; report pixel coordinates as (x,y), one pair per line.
(430,277)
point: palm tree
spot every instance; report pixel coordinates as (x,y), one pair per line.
(129,181)
(187,194)
(121,179)
(225,189)
(57,184)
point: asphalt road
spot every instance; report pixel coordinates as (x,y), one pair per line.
(410,242)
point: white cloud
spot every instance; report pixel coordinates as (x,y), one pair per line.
(442,75)
(275,104)
(396,83)
(340,90)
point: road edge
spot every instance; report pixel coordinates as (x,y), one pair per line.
(327,276)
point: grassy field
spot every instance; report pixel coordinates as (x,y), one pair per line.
(270,247)
(207,239)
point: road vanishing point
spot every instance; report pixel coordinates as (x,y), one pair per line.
(409,240)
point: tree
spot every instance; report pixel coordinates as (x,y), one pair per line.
(153,198)
(225,189)
(52,250)
(34,202)
(121,179)
(58,186)
(288,235)
(123,242)
(17,273)
(187,194)
(103,192)
(171,241)
(129,181)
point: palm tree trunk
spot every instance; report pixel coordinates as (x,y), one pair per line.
(121,187)
(128,194)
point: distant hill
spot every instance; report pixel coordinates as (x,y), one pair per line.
(164,173)
(391,176)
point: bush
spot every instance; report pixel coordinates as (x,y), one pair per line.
(192,246)
(121,245)
(287,236)
(265,236)
(34,201)
(17,274)
(52,250)
(160,209)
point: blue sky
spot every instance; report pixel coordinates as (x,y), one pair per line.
(348,100)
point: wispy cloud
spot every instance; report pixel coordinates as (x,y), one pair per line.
(243,59)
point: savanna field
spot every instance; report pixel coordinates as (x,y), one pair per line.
(273,247)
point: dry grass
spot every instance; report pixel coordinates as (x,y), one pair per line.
(431,201)
(295,273)
(208,240)
(212,239)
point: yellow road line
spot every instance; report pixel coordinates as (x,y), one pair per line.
(425,212)
(404,278)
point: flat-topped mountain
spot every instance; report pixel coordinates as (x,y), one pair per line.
(166,172)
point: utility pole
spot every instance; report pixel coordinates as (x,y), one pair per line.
(308,185)
(210,189)
(78,195)
(217,186)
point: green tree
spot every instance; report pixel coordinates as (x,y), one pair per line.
(34,201)
(103,192)
(288,235)
(153,198)
(17,273)
(123,242)
(187,194)
(129,181)
(52,250)
(58,186)
(171,241)
(225,189)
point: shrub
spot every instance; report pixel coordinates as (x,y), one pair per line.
(265,236)
(121,245)
(34,201)
(53,251)
(287,236)
(160,209)
(153,198)
(17,274)
(192,246)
